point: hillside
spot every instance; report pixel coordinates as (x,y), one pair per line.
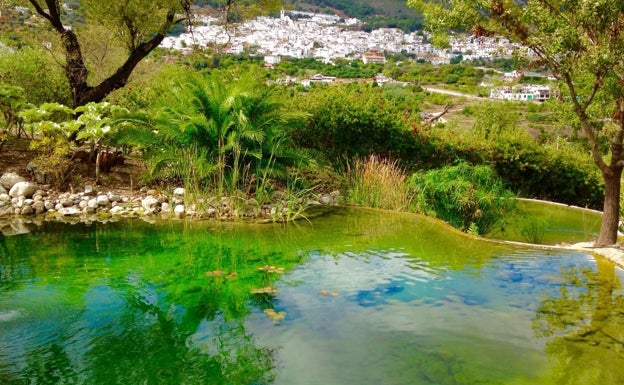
(375,13)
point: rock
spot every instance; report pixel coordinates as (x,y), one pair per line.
(88,189)
(117,210)
(179,192)
(28,202)
(48,205)
(165,207)
(27,210)
(9,179)
(149,203)
(2,190)
(326,199)
(23,189)
(39,207)
(114,198)
(37,174)
(102,200)
(179,210)
(5,197)
(69,211)
(66,202)
(83,204)
(152,192)
(92,203)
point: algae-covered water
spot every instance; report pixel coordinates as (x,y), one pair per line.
(353,297)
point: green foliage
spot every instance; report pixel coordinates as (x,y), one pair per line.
(51,123)
(468,197)
(559,175)
(533,230)
(12,102)
(228,134)
(35,71)
(350,122)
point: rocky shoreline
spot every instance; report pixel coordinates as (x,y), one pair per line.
(24,201)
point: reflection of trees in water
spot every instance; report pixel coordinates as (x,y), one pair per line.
(585,324)
(142,339)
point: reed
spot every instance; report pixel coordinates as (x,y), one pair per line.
(379,183)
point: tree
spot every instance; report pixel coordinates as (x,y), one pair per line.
(142,25)
(582,43)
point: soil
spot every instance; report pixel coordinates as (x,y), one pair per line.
(15,155)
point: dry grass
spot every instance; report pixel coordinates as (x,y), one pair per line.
(379,183)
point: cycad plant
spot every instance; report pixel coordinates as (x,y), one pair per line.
(220,128)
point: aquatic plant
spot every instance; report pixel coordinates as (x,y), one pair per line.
(377,182)
(468,197)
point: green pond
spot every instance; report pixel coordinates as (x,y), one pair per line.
(547,223)
(354,297)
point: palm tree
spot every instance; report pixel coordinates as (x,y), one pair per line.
(217,127)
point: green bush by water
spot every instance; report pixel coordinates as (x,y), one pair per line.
(468,197)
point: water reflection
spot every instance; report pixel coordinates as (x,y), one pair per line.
(359,297)
(585,326)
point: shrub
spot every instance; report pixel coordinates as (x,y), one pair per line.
(468,197)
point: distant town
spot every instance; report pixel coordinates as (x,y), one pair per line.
(328,37)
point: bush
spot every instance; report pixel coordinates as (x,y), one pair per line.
(468,197)
(346,123)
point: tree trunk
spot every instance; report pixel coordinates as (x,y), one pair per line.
(611,209)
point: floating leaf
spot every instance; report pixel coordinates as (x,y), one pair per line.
(264,290)
(275,316)
(231,275)
(272,269)
(324,292)
(215,273)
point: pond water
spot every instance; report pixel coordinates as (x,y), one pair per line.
(353,297)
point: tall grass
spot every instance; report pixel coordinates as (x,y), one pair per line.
(379,183)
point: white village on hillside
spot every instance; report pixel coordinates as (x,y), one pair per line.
(328,37)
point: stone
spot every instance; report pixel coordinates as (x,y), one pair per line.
(28,202)
(114,198)
(117,210)
(48,205)
(149,203)
(37,174)
(23,189)
(88,189)
(39,207)
(102,200)
(69,211)
(9,179)
(66,202)
(179,210)
(5,197)
(326,199)
(82,204)
(165,207)
(27,210)
(2,190)
(58,206)
(93,203)
(179,192)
